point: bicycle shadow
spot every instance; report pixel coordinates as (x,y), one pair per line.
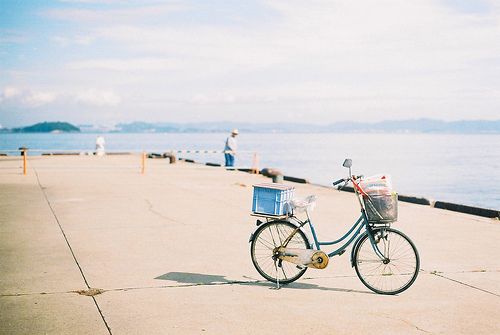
(199,279)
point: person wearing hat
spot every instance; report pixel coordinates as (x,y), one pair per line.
(230,148)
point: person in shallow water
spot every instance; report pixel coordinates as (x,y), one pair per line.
(230,148)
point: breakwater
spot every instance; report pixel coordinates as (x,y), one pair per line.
(466,209)
(446,205)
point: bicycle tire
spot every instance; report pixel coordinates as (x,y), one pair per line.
(269,236)
(392,277)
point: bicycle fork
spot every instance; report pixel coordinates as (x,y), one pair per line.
(375,242)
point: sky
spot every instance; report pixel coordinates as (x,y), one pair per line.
(109,61)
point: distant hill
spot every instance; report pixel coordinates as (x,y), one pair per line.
(418,126)
(48,127)
(399,126)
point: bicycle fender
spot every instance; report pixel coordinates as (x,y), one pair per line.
(259,223)
(354,246)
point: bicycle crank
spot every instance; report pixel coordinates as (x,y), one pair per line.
(308,257)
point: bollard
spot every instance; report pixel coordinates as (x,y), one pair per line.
(24,153)
(276,175)
(171,156)
(278,179)
(255,163)
(143,168)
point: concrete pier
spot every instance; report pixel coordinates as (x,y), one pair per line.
(89,245)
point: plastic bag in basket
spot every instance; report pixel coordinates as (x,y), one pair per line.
(377,185)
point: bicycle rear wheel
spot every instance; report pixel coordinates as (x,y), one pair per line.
(394,274)
(270,236)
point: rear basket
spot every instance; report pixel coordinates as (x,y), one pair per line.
(381,209)
(272,199)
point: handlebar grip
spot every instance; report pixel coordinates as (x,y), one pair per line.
(338,181)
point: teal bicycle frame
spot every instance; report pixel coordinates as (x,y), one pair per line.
(361,223)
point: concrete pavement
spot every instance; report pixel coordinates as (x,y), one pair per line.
(170,251)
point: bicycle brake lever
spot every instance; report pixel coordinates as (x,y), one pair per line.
(342,187)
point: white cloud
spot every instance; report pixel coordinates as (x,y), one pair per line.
(26,97)
(202,99)
(65,41)
(116,14)
(10,92)
(347,58)
(97,98)
(134,64)
(381,38)
(36,99)
(33,98)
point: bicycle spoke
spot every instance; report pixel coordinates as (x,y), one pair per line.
(266,243)
(266,239)
(272,236)
(401,266)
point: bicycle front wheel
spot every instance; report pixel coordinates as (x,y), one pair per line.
(270,236)
(397,271)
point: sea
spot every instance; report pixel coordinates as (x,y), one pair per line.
(458,168)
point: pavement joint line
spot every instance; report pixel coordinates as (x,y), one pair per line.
(407,322)
(457,272)
(464,284)
(203,194)
(102,316)
(152,210)
(329,277)
(70,248)
(60,227)
(123,289)
(33,293)
(245,282)
(229,283)
(135,288)
(241,282)
(42,293)
(232,282)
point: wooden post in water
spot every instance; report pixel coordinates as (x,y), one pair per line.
(143,168)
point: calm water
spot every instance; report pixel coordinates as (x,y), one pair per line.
(457,168)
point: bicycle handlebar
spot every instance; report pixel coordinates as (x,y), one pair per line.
(342,180)
(338,181)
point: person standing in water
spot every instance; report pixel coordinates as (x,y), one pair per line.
(230,148)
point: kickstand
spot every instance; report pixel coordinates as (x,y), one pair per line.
(277,276)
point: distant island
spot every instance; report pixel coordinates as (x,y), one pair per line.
(417,126)
(48,127)
(394,126)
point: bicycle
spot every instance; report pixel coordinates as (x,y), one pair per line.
(385,260)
